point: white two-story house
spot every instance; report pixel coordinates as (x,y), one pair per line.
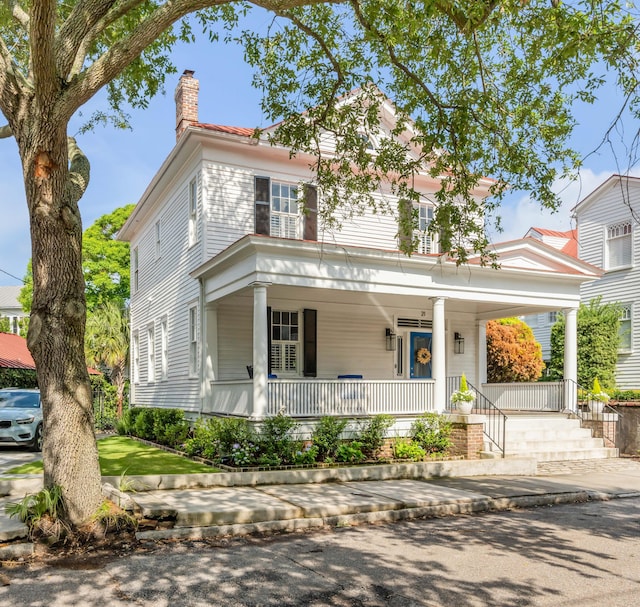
(243,304)
(607,223)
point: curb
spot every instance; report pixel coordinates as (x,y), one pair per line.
(463,506)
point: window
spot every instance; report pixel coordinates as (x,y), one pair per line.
(164,350)
(284,210)
(136,357)
(619,251)
(425,216)
(284,341)
(193,340)
(134,263)
(625,328)
(151,354)
(157,239)
(193,212)
(552,318)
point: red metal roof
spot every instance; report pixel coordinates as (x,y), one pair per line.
(14,353)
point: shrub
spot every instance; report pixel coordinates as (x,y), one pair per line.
(126,425)
(373,434)
(432,431)
(169,427)
(405,449)
(326,436)
(143,426)
(308,455)
(350,452)
(277,438)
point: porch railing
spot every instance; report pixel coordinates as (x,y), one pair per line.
(495,420)
(538,396)
(349,397)
(231,397)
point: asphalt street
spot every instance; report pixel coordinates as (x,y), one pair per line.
(582,554)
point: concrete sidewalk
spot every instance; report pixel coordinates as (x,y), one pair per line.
(243,503)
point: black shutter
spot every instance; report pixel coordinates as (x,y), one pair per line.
(310,212)
(269,339)
(262,188)
(310,319)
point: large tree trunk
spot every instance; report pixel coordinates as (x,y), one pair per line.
(56,330)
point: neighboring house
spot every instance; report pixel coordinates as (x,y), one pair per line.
(566,242)
(14,353)
(242,304)
(10,307)
(607,223)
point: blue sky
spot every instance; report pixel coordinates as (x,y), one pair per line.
(123,162)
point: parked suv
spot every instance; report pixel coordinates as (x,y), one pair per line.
(21,418)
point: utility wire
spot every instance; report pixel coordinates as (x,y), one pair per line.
(12,276)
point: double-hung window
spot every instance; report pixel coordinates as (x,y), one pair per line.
(193,341)
(151,354)
(619,246)
(552,318)
(164,349)
(425,217)
(135,346)
(284,210)
(625,328)
(285,341)
(193,212)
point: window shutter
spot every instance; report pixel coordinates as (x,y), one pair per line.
(269,339)
(311,212)
(310,319)
(262,187)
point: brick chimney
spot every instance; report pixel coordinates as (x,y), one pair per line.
(186,102)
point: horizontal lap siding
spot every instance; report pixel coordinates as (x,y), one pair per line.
(166,289)
(615,286)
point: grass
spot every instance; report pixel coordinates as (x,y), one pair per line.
(121,455)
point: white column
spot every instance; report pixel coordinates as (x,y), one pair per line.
(481,357)
(438,355)
(260,347)
(570,357)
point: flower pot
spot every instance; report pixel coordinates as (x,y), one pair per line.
(464,407)
(596,406)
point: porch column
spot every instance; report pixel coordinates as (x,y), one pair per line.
(570,358)
(481,357)
(438,354)
(260,347)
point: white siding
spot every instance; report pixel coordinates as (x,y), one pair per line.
(613,206)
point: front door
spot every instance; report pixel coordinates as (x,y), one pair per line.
(420,355)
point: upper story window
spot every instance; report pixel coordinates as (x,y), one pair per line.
(425,217)
(619,246)
(193,212)
(134,263)
(284,210)
(285,341)
(625,328)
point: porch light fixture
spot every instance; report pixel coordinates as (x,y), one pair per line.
(458,343)
(391,339)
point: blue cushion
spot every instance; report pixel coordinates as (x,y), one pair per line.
(349,376)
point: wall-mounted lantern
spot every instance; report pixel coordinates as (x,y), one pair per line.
(391,339)
(458,343)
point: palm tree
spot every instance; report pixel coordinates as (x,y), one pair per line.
(107,343)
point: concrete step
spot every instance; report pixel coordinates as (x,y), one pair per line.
(564,455)
(544,422)
(552,445)
(558,434)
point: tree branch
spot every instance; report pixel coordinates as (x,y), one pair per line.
(41,48)
(19,14)
(5,132)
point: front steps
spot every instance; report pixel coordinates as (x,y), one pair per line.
(549,438)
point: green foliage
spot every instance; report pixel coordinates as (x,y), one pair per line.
(307,456)
(34,506)
(513,354)
(111,519)
(326,435)
(405,449)
(277,438)
(463,383)
(432,432)
(170,427)
(373,433)
(598,343)
(18,378)
(350,452)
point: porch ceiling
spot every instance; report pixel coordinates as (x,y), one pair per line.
(352,275)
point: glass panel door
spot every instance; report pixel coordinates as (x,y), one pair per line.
(420,355)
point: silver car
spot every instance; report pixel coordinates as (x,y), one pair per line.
(21,418)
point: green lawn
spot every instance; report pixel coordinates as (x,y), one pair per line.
(122,455)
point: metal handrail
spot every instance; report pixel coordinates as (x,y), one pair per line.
(494,427)
(577,405)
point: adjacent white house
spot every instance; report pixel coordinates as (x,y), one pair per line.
(243,304)
(607,223)
(566,242)
(11,308)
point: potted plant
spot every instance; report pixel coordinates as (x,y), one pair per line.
(597,398)
(463,398)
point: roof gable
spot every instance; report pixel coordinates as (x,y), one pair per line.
(615,180)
